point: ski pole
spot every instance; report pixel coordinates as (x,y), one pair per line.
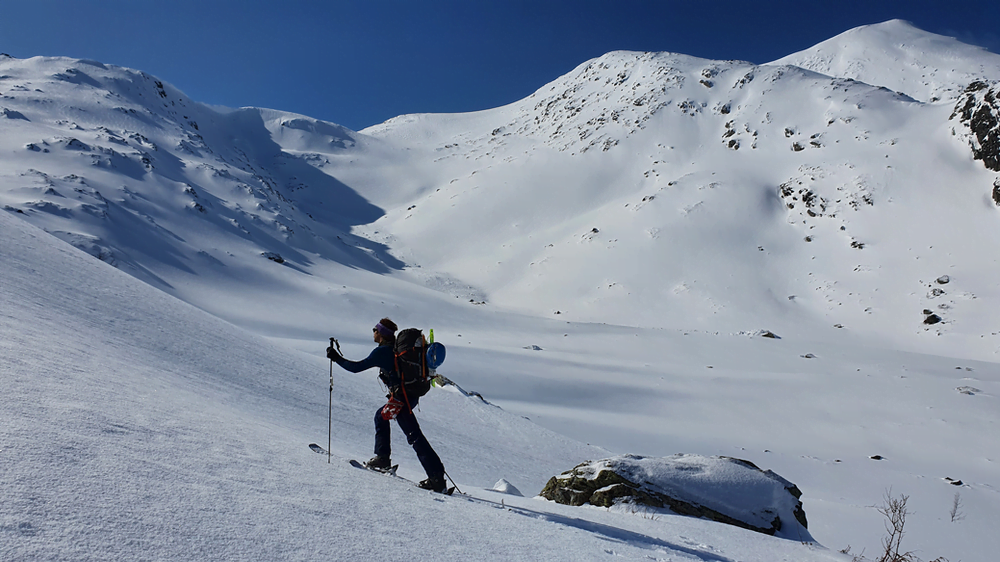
(453,482)
(329,429)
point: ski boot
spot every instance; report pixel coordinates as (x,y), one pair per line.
(434,484)
(379,463)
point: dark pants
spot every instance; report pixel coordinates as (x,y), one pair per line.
(408,423)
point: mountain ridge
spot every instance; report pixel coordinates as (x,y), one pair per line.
(921,60)
(658,155)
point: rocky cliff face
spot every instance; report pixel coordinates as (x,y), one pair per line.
(979,109)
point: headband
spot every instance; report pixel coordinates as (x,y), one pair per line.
(386,332)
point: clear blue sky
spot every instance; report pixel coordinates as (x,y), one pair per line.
(361,62)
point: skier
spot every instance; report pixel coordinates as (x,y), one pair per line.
(399,407)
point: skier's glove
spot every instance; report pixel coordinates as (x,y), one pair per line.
(332,354)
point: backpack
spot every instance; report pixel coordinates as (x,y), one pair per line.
(416,361)
(411,363)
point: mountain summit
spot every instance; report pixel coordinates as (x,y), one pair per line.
(895,54)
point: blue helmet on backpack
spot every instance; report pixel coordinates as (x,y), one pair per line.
(435,355)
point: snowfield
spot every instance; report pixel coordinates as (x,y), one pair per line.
(792,263)
(139,427)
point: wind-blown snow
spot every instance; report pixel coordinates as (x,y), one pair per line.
(601,257)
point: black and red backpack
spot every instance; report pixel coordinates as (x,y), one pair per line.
(411,363)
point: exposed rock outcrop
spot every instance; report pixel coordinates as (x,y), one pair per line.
(979,109)
(723,489)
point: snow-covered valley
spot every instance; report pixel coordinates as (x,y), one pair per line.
(605,258)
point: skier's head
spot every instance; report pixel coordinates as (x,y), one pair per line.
(384,331)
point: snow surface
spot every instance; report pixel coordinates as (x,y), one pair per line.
(602,257)
(139,427)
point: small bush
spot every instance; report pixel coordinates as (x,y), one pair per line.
(895,512)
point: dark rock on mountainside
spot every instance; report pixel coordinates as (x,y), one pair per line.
(11,114)
(979,109)
(723,489)
(930,318)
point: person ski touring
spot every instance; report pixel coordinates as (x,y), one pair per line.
(399,407)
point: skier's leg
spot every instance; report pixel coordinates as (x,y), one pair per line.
(425,453)
(383,444)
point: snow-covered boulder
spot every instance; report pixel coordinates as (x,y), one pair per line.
(722,489)
(505,487)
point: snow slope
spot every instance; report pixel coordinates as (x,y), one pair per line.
(138,427)
(602,257)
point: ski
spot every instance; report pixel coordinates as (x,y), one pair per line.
(391,471)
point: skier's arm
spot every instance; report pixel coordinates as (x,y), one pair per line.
(380,357)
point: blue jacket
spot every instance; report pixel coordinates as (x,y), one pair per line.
(382,357)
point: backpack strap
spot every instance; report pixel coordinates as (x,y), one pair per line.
(402,383)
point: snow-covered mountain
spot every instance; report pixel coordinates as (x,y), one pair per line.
(600,256)
(895,55)
(757,197)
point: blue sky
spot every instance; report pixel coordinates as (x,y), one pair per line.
(361,62)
